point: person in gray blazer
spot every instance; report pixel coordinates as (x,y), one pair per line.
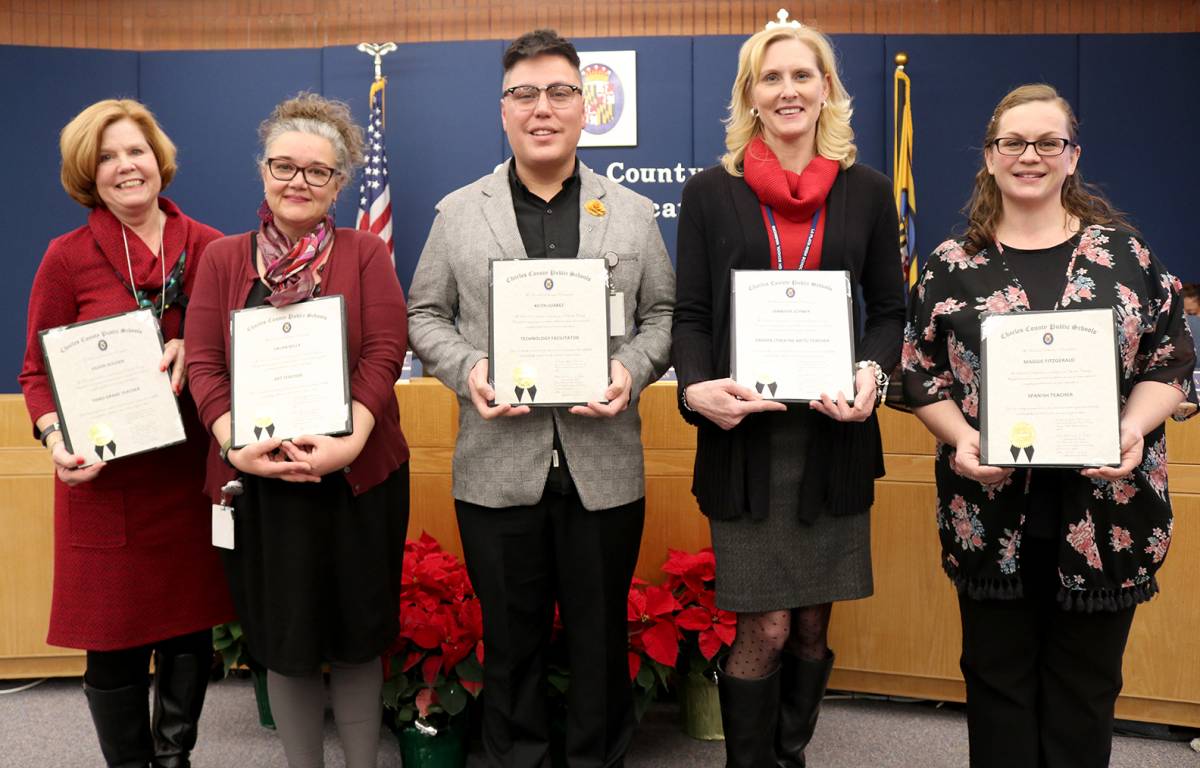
(550,501)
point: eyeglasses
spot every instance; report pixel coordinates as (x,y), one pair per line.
(560,95)
(1014,147)
(314,175)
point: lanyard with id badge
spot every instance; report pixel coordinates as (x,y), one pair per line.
(616,299)
(222,515)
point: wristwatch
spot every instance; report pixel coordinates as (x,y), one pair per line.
(49,430)
(224,452)
(683,399)
(881,378)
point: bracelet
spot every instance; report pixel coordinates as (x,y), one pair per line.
(683,399)
(50,430)
(881,378)
(224,452)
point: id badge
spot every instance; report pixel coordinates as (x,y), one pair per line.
(616,313)
(222,526)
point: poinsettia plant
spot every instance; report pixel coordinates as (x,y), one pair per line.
(653,640)
(706,630)
(435,667)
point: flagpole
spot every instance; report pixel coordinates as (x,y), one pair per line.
(902,171)
(378,51)
(375,199)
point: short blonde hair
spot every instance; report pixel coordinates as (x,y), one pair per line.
(835,137)
(79,144)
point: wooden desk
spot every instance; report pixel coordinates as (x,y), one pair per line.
(902,641)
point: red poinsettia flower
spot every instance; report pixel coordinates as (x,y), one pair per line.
(690,574)
(441,622)
(651,614)
(715,628)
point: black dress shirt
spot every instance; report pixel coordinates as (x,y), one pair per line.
(549,230)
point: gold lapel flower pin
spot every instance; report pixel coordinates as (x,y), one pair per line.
(595,207)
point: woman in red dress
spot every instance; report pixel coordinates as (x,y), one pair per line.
(134,569)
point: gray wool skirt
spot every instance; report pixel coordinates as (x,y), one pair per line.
(781,562)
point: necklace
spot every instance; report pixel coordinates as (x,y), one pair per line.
(162,263)
(1074,240)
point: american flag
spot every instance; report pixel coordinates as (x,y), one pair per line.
(374,196)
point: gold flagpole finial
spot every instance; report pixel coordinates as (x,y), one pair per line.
(901,59)
(782,20)
(378,50)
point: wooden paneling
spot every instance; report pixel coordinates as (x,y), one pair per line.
(216,24)
(903,640)
(26,552)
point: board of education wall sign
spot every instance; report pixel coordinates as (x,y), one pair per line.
(609,98)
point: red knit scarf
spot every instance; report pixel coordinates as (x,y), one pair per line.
(147,272)
(793,197)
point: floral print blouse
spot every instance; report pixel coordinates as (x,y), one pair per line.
(1114,535)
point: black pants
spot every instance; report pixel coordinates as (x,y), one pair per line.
(110,670)
(522,560)
(1041,682)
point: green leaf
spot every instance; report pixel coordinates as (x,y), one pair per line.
(558,681)
(453,698)
(645,677)
(470,669)
(390,694)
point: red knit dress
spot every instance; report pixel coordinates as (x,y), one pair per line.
(133,559)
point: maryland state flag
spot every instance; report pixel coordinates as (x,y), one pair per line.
(902,174)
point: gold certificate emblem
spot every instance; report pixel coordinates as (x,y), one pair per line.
(102,437)
(1022,437)
(525,381)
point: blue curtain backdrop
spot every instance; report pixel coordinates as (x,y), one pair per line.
(1137,117)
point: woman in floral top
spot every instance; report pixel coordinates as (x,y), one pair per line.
(1049,563)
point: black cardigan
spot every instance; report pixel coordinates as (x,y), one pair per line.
(721,228)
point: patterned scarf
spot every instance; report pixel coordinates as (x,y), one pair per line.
(794,197)
(291,268)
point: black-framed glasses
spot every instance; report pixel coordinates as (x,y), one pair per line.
(560,95)
(314,175)
(1014,147)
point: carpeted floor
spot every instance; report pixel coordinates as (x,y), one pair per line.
(49,726)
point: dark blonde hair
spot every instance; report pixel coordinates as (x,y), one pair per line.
(79,144)
(1080,199)
(835,137)
(318,116)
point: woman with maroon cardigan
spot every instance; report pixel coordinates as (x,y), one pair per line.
(134,572)
(320,526)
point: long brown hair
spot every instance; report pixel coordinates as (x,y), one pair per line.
(1080,199)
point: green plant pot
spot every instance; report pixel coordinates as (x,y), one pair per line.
(446,749)
(700,708)
(262,698)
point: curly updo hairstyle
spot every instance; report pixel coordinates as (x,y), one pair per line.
(316,115)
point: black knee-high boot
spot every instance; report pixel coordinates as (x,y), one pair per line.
(749,712)
(122,720)
(801,688)
(180,682)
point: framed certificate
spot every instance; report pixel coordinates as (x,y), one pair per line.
(289,373)
(1050,394)
(112,399)
(549,331)
(792,333)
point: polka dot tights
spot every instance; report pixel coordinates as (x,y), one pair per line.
(763,637)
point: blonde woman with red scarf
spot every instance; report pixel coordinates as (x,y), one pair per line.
(134,573)
(320,526)
(787,488)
